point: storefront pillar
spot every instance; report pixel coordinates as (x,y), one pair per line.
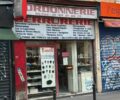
(72,74)
(97,57)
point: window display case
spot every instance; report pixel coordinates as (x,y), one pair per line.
(36,72)
(84,56)
(33,70)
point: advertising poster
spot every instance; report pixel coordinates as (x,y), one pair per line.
(110,57)
(47,67)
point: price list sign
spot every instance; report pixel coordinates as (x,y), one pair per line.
(51,28)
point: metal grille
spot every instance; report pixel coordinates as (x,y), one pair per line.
(5,76)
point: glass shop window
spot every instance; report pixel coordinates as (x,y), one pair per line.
(84,56)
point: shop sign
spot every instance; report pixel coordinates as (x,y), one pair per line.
(65,54)
(54,29)
(112,23)
(61,11)
(110,10)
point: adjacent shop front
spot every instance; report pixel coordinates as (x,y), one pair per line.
(110,46)
(55,50)
(6,65)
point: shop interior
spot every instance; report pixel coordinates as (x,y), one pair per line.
(62,68)
(68,66)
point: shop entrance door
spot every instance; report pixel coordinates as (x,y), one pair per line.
(63,56)
(41,70)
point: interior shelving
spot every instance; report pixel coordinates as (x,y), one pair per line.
(34,73)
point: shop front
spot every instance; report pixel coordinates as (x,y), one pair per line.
(54,52)
(110,47)
(6,66)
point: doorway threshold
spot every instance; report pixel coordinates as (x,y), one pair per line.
(70,94)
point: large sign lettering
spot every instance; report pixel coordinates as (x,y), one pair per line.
(61,11)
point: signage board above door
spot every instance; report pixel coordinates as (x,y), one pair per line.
(62,11)
(110,10)
(53,28)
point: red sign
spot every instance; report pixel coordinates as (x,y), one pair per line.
(56,21)
(112,23)
(110,10)
(65,54)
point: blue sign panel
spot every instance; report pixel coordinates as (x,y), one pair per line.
(110,57)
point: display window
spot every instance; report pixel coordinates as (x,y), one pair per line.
(41,69)
(84,64)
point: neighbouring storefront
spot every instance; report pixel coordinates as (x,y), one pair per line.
(55,50)
(110,46)
(5,71)
(6,66)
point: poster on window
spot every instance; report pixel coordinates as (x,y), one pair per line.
(47,67)
(110,58)
(86,81)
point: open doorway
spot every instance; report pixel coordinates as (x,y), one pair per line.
(62,70)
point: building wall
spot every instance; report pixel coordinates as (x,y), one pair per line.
(97,59)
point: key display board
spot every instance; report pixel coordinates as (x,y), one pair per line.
(48,67)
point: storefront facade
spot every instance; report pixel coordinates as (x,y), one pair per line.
(6,64)
(55,50)
(109,47)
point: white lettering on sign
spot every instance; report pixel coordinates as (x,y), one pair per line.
(42,28)
(61,11)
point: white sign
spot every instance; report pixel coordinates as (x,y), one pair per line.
(48,67)
(54,29)
(87,81)
(65,60)
(61,11)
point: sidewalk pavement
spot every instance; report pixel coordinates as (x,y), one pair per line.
(99,96)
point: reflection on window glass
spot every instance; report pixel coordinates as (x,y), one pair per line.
(84,55)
